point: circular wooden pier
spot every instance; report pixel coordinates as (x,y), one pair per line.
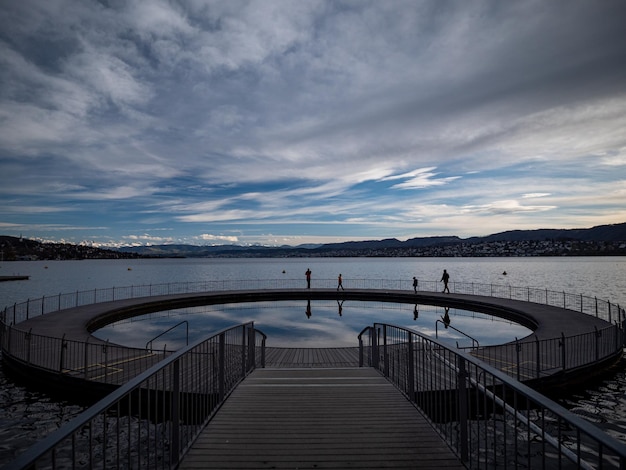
(547,323)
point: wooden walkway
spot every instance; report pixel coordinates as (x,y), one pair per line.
(547,322)
(350,418)
(312,357)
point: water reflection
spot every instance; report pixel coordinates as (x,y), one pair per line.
(446,317)
(328,323)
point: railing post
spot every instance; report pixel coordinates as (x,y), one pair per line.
(243,350)
(28,338)
(518,347)
(105,350)
(86,358)
(385,355)
(251,348)
(175,411)
(563,355)
(411,374)
(221,362)
(537,353)
(463,414)
(597,336)
(360,351)
(375,357)
(62,353)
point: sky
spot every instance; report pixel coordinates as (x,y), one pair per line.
(285,122)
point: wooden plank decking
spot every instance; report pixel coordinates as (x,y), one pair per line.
(318,418)
(312,357)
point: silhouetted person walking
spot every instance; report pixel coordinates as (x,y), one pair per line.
(445,278)
(339,283)
(414,284)
(308,278)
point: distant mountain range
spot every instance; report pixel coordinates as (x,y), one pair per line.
(607,240)
(604,239)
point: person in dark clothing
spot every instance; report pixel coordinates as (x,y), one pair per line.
(339,283)
(445,278)
(308,278)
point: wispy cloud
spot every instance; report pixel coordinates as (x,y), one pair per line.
(251,122)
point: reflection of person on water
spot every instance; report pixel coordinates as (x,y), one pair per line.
(308,309)
(415,312)
(446,318)
(340,307)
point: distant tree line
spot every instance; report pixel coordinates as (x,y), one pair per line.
(14,249)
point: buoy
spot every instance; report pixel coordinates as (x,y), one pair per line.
(284,271)
(504,273)
(130,269)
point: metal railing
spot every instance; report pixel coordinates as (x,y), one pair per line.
(184,322)
(103,362)
(488,418)
(535,358)
(603,309)
(150,421)
(93,360)
(446,325)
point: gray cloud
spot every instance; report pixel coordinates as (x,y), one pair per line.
(186,107)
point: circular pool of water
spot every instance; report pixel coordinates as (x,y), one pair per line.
(309,324)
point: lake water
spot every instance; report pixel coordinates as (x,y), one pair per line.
(27,415)
(309,324)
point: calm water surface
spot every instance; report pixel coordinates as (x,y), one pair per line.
(26,416)
(309,324)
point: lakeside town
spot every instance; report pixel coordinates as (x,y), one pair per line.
(20,249)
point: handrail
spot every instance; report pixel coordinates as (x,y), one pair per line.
(167,331)
(170,403)
(604,309)
(488,418)
(475,343)
(524,362)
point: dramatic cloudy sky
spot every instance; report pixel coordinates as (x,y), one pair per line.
(298,121)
